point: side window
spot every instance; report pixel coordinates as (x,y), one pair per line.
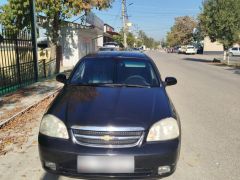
(78,76)
(154,77)
(235,49)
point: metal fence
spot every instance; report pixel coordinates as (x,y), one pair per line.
(46,68)
(17,61)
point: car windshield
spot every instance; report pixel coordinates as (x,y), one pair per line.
(121,72)
(106,49)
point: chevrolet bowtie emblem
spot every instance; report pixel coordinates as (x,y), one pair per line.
(107,138)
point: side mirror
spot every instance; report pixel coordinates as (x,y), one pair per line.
(61,78)
(169,81)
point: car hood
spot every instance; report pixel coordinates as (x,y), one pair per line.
(106,106)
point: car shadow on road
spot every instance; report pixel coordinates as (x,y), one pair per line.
(48,176)
(198,60)
(235,70)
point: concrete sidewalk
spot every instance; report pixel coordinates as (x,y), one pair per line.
(14,103)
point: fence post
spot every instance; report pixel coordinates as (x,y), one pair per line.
(44,68)
(34,37)
(17,60)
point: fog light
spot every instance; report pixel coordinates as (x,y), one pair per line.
(50,165)
(163,170)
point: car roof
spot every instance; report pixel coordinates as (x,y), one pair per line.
(115,54)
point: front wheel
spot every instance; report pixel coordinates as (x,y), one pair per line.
(230,54)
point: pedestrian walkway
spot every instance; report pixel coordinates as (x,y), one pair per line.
(16,102)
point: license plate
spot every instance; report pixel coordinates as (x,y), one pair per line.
(105,164)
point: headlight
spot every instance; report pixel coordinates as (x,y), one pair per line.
(163,130)
(53,127)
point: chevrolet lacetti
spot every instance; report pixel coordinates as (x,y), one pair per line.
(112,119)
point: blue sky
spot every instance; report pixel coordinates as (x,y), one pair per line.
(155,17)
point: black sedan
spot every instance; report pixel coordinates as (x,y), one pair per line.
(112,119)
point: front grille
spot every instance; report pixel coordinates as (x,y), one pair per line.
(108,136)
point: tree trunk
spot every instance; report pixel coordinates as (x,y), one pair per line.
(59,58)
(225,56)
(228,59)
(56,41)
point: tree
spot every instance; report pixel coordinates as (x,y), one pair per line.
(171,40)
(55,11)
(142,39)
(118,39)
(14,16)
(182,31)
(147,41)
(198,35)
(130,38)
(220,21)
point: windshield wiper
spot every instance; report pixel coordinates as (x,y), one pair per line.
(113,85)
(129,85)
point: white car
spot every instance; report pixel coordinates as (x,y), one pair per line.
(108,49)
(182,50)
(191,50)
(111,45)
(235,51)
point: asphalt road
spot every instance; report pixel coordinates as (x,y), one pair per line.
(207,98)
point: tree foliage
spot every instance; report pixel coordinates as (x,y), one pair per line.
(149,42)
(130,39)
(220,20)
(56,11)
(182,31)
(16,15)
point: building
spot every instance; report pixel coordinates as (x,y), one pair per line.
(214,48)
(78,39)
(108,34)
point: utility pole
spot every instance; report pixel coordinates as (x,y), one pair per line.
(34,37)
(124,23)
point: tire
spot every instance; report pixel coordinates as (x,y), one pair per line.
(231,54)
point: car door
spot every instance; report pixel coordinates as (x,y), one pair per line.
(238,52)
(235,51)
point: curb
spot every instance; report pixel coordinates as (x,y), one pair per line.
(28,108)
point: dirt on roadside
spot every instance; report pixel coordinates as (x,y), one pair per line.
(16,133)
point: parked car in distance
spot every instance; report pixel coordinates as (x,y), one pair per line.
(173,50)
(176,49)
(235,51)
(136,49)
(191,50)
(111,44)
(169,50)
(112,119)
(199,50)
(182,50)
(108,49)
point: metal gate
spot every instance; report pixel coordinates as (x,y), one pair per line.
(16,60)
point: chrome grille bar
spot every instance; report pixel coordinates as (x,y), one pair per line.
(99,137)
(107,137)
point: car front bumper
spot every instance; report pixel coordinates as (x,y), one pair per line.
(148,158)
